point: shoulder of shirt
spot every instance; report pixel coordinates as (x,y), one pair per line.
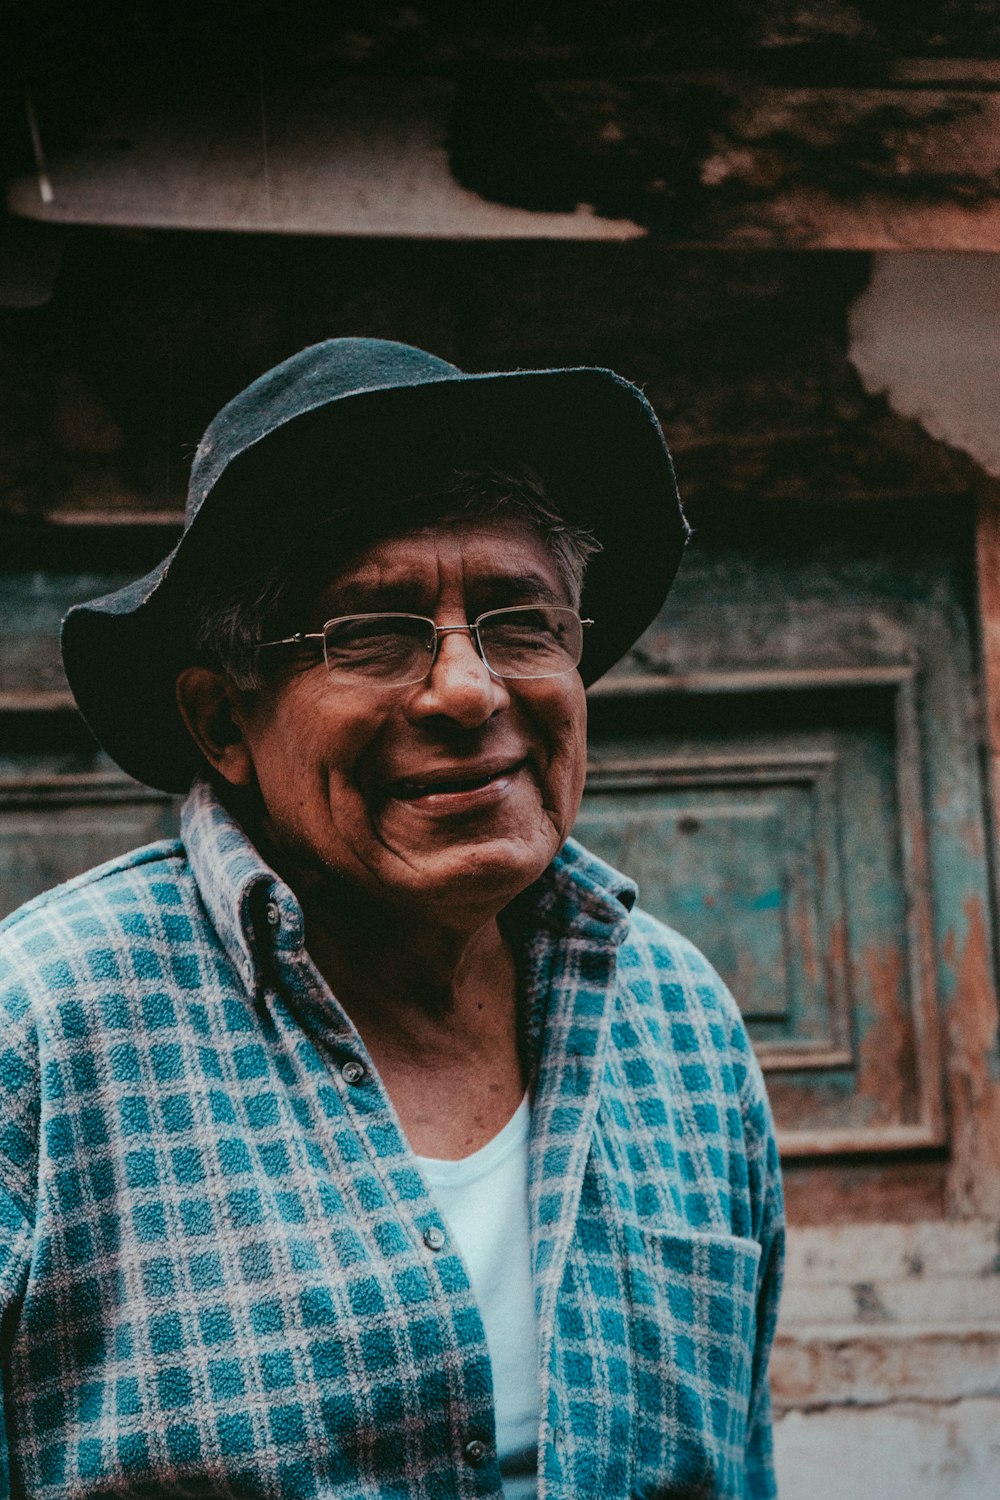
(664,946)
(56,951)
(97,887)
(666,972)
(668,957)
(648,941)
(662,969)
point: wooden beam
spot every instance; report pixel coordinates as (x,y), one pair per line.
(703,160)
(724,161)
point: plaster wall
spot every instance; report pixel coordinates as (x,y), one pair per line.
(886,1369)
(906,1451)
(926,334)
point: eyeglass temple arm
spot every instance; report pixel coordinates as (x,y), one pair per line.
(298,639)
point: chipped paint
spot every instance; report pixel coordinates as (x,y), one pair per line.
(853,1367)
(974,1095)
(887,1061)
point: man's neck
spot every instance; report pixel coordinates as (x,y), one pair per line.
(394,976)
(438,1013)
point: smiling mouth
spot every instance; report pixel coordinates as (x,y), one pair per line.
(410,791)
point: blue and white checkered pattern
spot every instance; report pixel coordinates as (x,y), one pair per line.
(221,1272)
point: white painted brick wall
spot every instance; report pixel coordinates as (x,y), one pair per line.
(886,1370)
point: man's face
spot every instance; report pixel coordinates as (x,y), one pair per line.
(443,798)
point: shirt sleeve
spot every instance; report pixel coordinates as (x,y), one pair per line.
(15,1251)
(769,1230)
(19,1107)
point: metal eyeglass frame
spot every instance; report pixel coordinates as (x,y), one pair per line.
(471,629)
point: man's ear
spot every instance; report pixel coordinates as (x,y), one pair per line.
(208,707)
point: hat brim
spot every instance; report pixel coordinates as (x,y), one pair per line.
(591,435)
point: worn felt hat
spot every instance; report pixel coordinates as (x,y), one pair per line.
(352,426)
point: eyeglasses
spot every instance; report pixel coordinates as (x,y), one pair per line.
(396,650)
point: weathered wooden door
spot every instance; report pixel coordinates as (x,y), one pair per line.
(63,805)
(789,765)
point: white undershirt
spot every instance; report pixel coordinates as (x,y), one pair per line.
(484,1198)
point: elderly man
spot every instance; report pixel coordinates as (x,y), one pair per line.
(369,1141)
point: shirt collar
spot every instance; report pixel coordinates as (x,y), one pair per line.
(579,906)
(580,896)
(253,911)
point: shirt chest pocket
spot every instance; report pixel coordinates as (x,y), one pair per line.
(693,1298)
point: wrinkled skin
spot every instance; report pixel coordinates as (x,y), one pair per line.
(347,777)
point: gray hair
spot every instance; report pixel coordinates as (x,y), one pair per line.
(228,621)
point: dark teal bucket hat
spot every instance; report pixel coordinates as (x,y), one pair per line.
(352,426)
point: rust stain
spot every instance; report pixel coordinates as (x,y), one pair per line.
(803,1105)
(802,928)
(811,1371)
(892,1191)
(988,584)
(971,835)
(838,944)
(974,1076)
(886,1058)
(835,981)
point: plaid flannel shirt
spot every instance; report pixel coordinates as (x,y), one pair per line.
(221,1272)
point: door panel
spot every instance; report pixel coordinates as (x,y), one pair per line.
(53,828)
(792,857)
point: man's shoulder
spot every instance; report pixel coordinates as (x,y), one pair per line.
(660,968)
(662,953)
(108,904)
(688,1005)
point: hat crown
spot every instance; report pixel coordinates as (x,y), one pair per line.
(312,378)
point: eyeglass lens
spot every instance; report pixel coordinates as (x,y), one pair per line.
(543,641)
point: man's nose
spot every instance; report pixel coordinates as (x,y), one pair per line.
(460,685)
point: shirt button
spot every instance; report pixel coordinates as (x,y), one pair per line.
(353,1071)
(434,1239)
(474,1452)
(272,912)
